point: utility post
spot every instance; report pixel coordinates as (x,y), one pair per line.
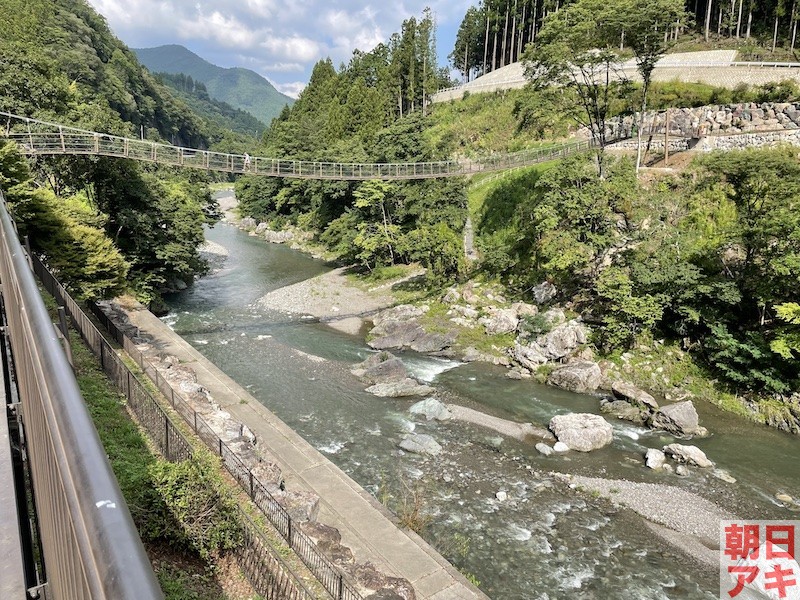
(666,139)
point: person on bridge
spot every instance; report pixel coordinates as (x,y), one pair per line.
(246,161)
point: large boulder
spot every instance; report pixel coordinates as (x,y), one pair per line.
(381,367)
(397,328)
(395,334)
(578,376)
(562,340)
(625,411)
(301,506)
(399,389)
(420,443)
(544,292)
(630,393)
(654,459)
(500,320)
(582,431)
(433,342)
(690,455)
(431,409)
(529,357)
(678,419)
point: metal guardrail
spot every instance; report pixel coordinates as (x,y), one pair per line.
(90,547)
(174,446)
(36,137)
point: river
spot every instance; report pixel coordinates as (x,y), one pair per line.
(544,541)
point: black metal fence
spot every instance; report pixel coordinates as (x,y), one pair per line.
(175,447)
(89,544)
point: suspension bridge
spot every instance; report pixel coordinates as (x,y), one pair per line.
(41,138)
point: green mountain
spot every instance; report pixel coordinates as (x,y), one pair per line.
(241,88)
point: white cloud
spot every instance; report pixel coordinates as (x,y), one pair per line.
(278,38)
(226,30)
(291,89)
(294,47)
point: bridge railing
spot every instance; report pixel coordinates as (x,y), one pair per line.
(36,137)
(90,546)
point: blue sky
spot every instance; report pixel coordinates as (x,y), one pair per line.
(280,40)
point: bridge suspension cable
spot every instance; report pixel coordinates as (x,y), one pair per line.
(35,137)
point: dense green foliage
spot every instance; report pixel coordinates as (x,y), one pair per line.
(104,224)
(375,109)
(496,32)
(241,88)
(712,258)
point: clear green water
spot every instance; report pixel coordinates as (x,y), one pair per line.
(545,541)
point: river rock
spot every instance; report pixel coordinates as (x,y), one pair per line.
(529,357)
(630,393)
(577,376)
(678,419)
(562,340)
(501,496)
(433,342)
(560,447)
(399,389)
(544,292)
(261,228)
(451,296)
(691,455)
(625,411)
(784,498)
(420,443)
(301,506)
(682,470)
(500,320)
(248,223)
(582,431)
(655,459)
(381,367)
(543,448)
(432,409)
(395,335)
(523,309)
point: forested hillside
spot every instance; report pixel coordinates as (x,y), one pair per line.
(241,88)
(217,114)
(375,109)
(107,225)
(496,32)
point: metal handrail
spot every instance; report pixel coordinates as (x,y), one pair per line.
(90,546)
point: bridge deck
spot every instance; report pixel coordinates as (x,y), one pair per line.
(35,137)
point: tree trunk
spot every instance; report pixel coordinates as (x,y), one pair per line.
(719,22)
(521,40)
(775,35)
(749,22)
(532,35)
(708,18)
(794,24)
(505,40)
(486,44)
(514,36)
(739,19)
(466,58)
(494,52)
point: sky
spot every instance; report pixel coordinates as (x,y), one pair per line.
(279,39)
